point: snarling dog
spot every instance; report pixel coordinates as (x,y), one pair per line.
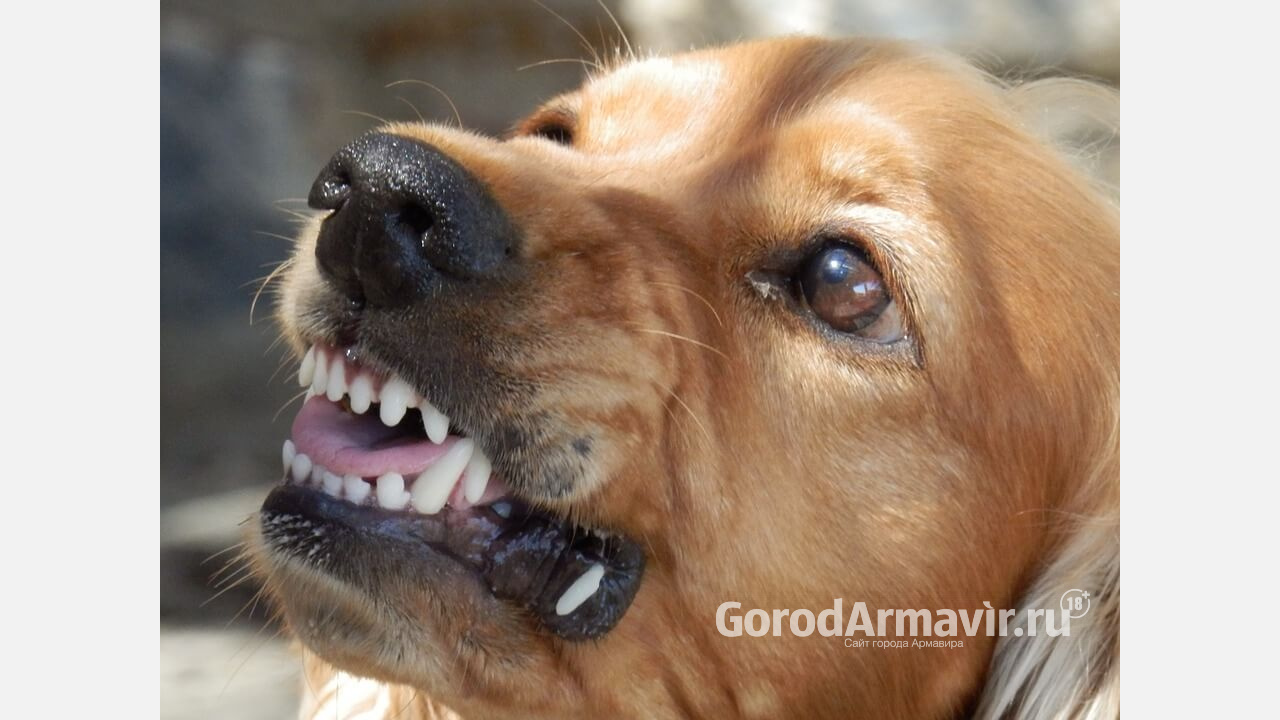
(776,324)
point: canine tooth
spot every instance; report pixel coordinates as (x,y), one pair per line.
(475,478)
(581,590)
(434,422)
(355,489)
(436,483)
(390,491)
(287,453)
(397,396)
(307,369)
(361,392)
(320,378)
(300,468)
(337,380)
(332,484)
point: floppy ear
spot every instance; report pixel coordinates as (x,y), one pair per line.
(1073,676)
(1079,118)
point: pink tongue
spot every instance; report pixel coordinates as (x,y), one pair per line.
(350,444)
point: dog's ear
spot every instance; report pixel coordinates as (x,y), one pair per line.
(1079,118)
(1077,675)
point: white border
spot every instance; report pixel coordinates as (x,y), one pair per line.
(1200,389)
(80,255)
(1199,283)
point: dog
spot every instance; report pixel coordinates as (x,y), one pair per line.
(776,326)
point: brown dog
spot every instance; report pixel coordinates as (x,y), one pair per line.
(777,324)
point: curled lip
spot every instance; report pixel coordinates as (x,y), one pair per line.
(385,484)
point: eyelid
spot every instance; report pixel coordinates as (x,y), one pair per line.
(863,240)
(555,115)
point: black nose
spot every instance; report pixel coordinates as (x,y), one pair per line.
(406,218)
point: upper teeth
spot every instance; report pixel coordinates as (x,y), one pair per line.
(397,397)
(326,373)
(436,483)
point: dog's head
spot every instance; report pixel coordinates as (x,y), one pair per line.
(776,324)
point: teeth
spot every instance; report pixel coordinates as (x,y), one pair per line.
(320,378)
(390,491)
(332,484)
(337,380)
(581,590)
(355,489)
(475,478)
(397,396)
(317,473)
(287,454)
(308,368)
(436,483)
(361,392)
(502,508)
(434,422)
(300,468)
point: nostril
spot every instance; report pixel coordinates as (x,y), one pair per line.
(331,190)
(417,220)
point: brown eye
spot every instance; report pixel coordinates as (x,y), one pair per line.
(844,290)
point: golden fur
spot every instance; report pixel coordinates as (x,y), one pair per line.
(755,460)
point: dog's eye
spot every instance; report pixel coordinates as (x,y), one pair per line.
(555,131)
(557,123)
(844,290)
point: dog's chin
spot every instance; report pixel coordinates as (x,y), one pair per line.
(435,633)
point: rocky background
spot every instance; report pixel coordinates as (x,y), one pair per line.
(256,95)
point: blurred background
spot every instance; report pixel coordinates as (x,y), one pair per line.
(255,97)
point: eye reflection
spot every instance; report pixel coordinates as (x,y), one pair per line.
(845,291)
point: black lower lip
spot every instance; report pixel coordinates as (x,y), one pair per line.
(528,558)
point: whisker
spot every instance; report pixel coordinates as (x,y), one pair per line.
(696,294)
(286,361)
(287,403)
(242,580)
(690,340)
(237,563)
(223,552)
(252,601)
(267,281)
(585,42)
(277,236)
(274,343)
(229,564)
(293,213)
(368,115)
(580,61)
(414,108)
(693,415)
(443,94)
(631,53)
